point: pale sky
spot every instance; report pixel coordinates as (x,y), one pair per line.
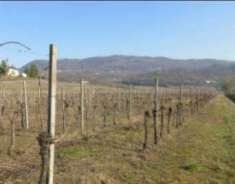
(86,29)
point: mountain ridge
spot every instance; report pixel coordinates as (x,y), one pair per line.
(128,68)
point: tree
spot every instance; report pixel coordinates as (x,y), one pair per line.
(228,84)
(32,71)
(3,67)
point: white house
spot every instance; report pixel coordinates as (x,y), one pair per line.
(13,72)
(209,81)
(24,75)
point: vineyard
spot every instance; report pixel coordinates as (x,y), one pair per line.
(84,112)
(117,92)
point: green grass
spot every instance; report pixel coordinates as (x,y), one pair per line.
(201,152)
(191,166)
(76,152)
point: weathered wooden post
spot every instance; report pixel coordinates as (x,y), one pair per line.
(105,113)
(39,89)
(155,111)
(26,106)
(162,108)
(130,103)
(169,113)
(52,111)
(12,121)
(63,110)
(87,103)
(119,100)
(115,106)
(39,103)
(190,101)
(94,116)
(146,117)
(177,115)
(82,106)
(181,106)
(197,103)
(22,116)
(2,109)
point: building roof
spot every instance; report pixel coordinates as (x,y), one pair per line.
(12,67)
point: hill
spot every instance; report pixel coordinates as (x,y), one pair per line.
(141,69)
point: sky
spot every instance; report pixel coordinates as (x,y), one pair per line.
(86,29)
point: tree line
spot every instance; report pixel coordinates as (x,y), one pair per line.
(31,71)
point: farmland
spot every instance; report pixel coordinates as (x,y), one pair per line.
(117,93)
(117,143)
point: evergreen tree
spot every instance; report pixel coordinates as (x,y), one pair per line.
(3,67)
(32,71)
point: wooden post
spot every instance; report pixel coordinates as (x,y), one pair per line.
(130,102)
(2,109)
(169,113)
(39,89)
(197,103)
(82,106)
(26,106)
(12,121)
(104,114)
(52,110)
(119,100)
(63,110)
(191,101)
(162,108)
(115,106)
(86,103)
(146,117)
(155,111)
(22,117)
(181,106)
(39,103)
(12,145)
